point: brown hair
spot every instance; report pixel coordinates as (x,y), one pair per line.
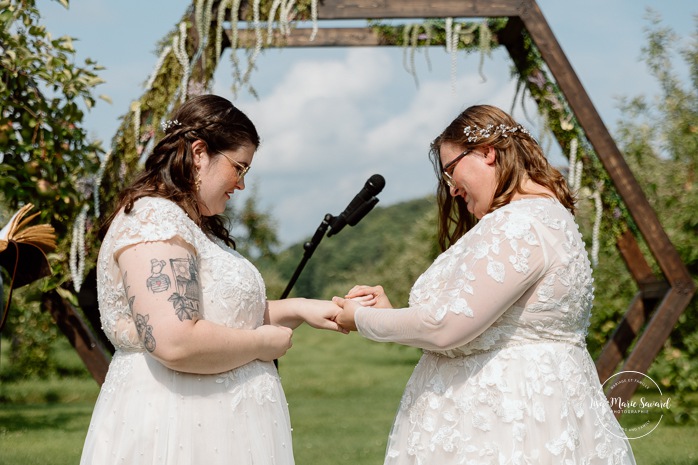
(169,170)
(518,157)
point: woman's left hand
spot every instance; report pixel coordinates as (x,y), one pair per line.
(345,318)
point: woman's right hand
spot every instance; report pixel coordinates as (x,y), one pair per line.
(274,341)
(369,296)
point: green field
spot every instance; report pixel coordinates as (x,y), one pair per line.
(342,392)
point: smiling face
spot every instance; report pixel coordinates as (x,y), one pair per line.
(220,175)
(473,176)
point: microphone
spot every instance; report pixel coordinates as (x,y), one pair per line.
(364,201)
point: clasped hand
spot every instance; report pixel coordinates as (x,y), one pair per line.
(357,297)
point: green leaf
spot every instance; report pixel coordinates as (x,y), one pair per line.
(66,42)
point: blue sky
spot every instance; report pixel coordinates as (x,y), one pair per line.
(331,117)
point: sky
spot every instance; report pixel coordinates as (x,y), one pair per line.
(329,118)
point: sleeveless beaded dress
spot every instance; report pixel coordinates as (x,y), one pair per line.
(149,414)
(505,377)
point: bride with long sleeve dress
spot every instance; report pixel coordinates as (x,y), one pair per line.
(505,376)
(502,315)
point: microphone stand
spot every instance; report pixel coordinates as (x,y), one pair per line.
(309,248)
(312,244)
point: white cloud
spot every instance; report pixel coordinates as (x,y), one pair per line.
(316,108)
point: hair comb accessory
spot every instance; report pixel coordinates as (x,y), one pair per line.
(475,133)
(169,124)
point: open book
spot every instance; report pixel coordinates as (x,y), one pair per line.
(23,248)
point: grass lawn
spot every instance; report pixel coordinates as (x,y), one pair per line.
(342,391)
(43,434)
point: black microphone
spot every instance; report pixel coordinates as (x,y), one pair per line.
(364,201)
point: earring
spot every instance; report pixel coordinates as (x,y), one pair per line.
(197,182)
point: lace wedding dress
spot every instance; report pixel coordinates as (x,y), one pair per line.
(505,377)
(149,414)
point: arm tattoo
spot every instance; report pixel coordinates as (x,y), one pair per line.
(130,299)
(186,298)
(157,281)
(144,330)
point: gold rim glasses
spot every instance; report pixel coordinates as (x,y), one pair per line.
(450,166)
(239,167)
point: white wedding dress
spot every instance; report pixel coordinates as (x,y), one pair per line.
(149,414)
(505,377)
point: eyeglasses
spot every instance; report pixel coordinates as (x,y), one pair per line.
(239,167)
(450,166)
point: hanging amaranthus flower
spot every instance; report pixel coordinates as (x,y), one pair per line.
(270,22)
(180,51)
(454,57)
(573,164)
(313,18)
(596,196)
(220,19)
(77,249)
(98,182)
(136,121)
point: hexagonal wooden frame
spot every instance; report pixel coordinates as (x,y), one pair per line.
(656,307)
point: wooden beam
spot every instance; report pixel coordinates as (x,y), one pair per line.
(387,9)
(634,258)
(615,349)
(325,37)
(80,335)
(638,312)
(653,338)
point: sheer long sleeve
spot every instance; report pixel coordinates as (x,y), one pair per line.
(468,287)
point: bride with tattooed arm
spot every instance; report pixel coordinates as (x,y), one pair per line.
(192,380)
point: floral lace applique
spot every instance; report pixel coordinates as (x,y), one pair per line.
(249,382)
(525,390)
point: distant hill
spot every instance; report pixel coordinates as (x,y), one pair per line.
(391,246)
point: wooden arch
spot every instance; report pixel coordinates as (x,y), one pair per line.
(660,300)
